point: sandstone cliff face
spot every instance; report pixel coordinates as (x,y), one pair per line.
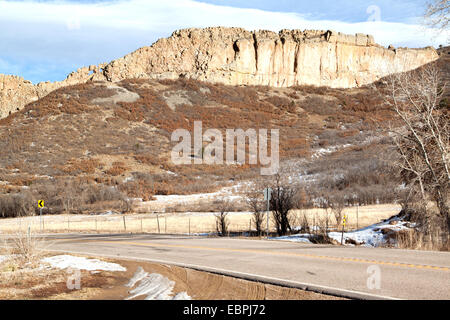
(15,92)
(235,56)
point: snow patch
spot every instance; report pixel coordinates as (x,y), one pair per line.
(371,236)
(68,261)
(294,238)
(4,258)
(155,286)
(323,151)
(182,296)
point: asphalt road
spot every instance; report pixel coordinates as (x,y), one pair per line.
(357,272)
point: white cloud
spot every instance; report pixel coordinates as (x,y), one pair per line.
(65,33)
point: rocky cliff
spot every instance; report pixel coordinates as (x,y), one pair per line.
(235,56)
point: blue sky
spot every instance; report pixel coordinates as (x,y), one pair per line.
(46,40)
(345,10)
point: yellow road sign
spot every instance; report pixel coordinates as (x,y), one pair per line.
(41,203)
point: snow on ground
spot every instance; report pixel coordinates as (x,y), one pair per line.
(224,193)
(4,258)
(295,238)
(154,286)
(371,236)
(68,261)
(322,151)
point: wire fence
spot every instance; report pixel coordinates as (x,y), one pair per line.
(145,223)
(191,223)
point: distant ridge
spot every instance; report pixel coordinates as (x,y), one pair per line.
(235,56)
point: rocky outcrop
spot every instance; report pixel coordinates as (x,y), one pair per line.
(15,92)
(235,56)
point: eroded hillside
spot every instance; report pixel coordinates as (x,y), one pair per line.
(99,141)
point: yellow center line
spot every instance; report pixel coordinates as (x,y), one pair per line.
(279,253)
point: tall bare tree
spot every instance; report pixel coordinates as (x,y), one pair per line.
(282,201)
(337,207)
(437,14)
(255,201)
(423,139)
(224,207)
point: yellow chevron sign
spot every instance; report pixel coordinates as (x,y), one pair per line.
(41,203)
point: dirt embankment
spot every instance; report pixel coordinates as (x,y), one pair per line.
(207,286)
(19,282)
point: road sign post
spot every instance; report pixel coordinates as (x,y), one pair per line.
(267,196)
(41,206)
(344,221)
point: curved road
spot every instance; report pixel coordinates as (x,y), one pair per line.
(356,272)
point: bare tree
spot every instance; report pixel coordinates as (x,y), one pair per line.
(337,207)
(282,201)
(222,223)
(304,223)
(68,195)
(256,203)
(437,14)
(126,204)
(324,221)
(423,139)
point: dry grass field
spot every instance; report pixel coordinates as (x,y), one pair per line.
(182,223)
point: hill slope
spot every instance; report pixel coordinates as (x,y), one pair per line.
(98,135)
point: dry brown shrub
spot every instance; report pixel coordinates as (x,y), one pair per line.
(148,159)
(76,166)
(116,169)
(348,133)
(25,247)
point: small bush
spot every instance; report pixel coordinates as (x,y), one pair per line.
(17,205)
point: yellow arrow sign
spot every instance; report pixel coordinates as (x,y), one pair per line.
(41,203)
